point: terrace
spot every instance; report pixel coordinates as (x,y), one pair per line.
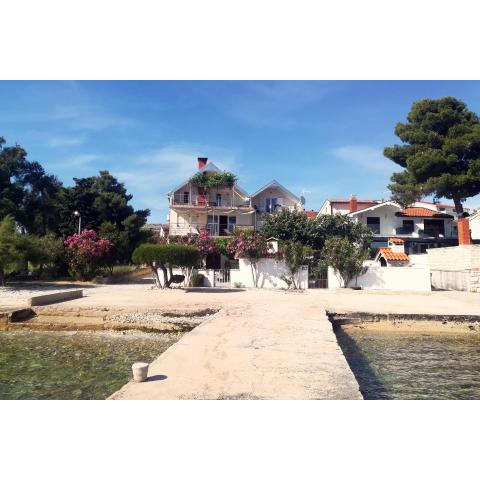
(226,199)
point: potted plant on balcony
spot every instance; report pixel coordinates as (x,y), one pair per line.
(206,181)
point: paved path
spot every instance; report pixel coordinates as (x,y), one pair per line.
(257,351)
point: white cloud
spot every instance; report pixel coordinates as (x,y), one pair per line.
(82,116)
(367,157)
(59,142)
(75,162)
(274,104)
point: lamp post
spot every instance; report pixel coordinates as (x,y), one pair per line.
(77,214)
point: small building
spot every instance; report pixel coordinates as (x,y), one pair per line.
(393,255)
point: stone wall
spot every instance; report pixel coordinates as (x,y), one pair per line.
(463,257)
(455,268)
(474,281)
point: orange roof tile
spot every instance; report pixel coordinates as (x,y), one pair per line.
(393,256)
(311,214)
(370,202)
(421,212)
(396,241)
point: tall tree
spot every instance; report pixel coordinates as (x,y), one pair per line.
(295,226)
(26,192)
(440,153)
(103,203)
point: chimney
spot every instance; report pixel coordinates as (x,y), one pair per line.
(202,162)
(397,245)
(353,204)
(464,232)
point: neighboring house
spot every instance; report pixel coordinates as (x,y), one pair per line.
(424,225)
(474,221)
(159,229)
(222,210)
(330,207)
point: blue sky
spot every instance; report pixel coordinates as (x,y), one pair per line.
(320,138)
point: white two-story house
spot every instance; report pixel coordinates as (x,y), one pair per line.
(219,211)
(421,226)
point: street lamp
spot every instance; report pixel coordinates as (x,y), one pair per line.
(77,214)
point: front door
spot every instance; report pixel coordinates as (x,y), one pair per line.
(223,225)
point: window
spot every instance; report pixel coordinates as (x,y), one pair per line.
(270,204)
(218,199)
(232,223)
(433,227)
(221,224)
(186,197)
(373,223)
(408,226)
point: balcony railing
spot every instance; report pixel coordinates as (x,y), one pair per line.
(430,233)
(424,233)
(210,200)
(403,231)
(213,229)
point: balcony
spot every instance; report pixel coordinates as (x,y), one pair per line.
(208,200)
(213,229)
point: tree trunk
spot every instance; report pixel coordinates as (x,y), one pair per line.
(253,266)
(166,283)
(155,277)
(458,206)
(2,279)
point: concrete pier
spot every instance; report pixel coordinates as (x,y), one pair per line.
(256,351)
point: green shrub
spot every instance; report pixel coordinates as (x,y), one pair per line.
(197,280)
(165,256)
(345,257)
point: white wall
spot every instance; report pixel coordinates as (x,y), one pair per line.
(270,272)
(475,227)
(384,278)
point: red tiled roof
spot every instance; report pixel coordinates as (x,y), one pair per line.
(369,202)
(421,212)
(312,214)
(393,256)
(396,241)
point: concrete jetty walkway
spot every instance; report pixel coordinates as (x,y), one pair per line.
(262,350)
